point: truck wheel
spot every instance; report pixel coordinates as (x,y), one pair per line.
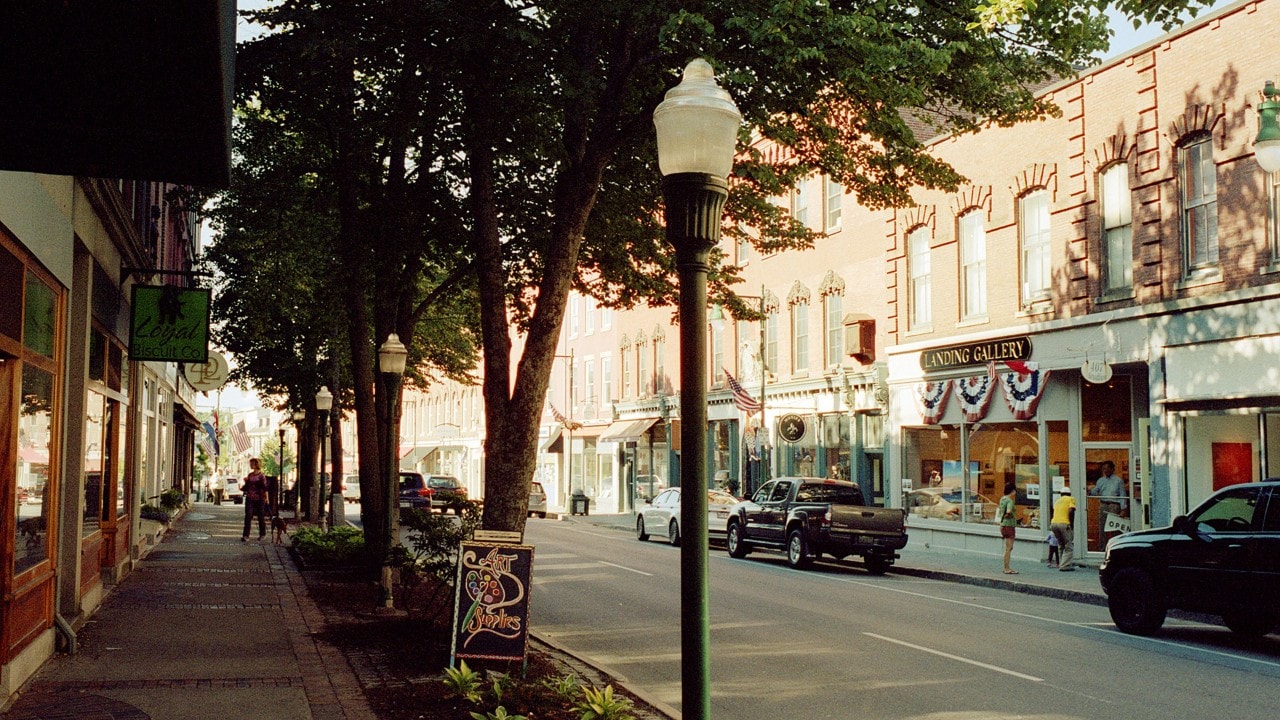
(797,550)
(877,564)
(673,533)
(737,546)
(1134,604)
(641,535)
(1249,624)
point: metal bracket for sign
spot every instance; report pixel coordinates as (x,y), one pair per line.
(127,272)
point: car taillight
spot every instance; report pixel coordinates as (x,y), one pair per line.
(826,517)
(424,492)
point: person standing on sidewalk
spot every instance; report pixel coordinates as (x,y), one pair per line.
(1064,516)
(1007,515)
(255,500)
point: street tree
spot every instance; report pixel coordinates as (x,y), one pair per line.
(518,135)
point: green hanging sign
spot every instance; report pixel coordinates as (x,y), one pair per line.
(170,324)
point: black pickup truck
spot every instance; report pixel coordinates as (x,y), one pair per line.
(807,517)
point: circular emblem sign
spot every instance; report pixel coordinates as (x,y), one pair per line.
(1096,371)
(210,375)
(791,428)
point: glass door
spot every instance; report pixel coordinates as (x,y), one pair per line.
(1110,494)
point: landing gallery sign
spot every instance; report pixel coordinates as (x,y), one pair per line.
(170,324)
(979,353)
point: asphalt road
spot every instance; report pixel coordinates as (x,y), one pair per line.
(834,642)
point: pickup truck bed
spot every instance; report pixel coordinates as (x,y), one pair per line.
(808,517)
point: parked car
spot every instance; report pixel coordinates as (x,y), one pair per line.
(807,517)
(351,488)
(648,487)
(662,516)
(446,492)
(1221,558)
(414,492)
(537,500)
(232,491)
(947,503)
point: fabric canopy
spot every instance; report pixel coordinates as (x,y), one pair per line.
(628,430)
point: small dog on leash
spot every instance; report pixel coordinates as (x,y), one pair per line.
(279,530)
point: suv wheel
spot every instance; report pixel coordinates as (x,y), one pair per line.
(673,533)
(737,546)
(641,535)
(1135,606)
(1249,624)
(797,550)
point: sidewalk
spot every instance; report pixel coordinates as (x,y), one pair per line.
(205,627)
(1033,578)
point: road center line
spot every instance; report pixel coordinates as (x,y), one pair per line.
(624,567)
(957,658)
(1067,623)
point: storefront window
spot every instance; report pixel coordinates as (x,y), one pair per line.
(40,311)
(33,509)
(835,445)
(800,458)
(94,436)
(931,466)
(722,432)
(946,486)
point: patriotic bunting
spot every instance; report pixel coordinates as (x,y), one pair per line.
(974,394)
(931,397)
(1022,391)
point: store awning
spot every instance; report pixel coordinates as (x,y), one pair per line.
(628,430)
(416,454)
(552,444)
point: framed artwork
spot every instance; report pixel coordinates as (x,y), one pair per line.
(1232,464)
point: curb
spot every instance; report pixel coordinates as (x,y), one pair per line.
(661,709)
(999,584)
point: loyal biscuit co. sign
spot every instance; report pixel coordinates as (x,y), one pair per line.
(979,353)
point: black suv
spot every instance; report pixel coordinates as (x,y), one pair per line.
(1222,558)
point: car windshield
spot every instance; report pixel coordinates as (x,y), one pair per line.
(443,482)
(824,493)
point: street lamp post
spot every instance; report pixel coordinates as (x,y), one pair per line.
(324,402)
(279,488)
(697,128)
(392,357)
(1266,146)
(298,417)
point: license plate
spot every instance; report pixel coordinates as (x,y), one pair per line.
(722,513)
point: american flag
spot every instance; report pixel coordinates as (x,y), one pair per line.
(210,441)
(741,397)
(240,435)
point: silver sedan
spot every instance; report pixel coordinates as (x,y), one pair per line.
(662,515)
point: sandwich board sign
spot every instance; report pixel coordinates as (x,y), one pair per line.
(491,604)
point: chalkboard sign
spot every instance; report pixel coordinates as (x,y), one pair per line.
(491,604)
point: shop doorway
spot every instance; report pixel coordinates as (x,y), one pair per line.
(1113,500)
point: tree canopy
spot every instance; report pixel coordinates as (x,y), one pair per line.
(499,153)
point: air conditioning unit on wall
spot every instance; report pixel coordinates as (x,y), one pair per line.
(860,337)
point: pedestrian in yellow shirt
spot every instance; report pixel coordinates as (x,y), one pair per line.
(1064,515)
